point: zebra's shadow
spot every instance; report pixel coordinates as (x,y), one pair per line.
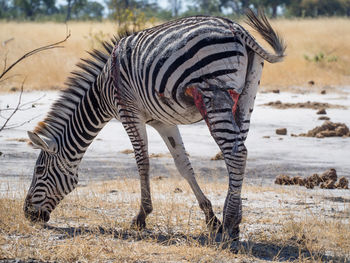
(261,250)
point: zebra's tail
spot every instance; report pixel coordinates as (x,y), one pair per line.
(260,23)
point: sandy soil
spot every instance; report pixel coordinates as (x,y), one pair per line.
(267,156)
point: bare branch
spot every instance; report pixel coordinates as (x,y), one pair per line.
(22,106)
(20,124)
(37,50)
(5,42)
(6,69)
(9,77)
(15,110)
(5,61)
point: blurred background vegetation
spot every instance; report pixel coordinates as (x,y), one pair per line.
(140,11)
(317,33)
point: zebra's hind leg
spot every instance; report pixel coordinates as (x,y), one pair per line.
(136,130)
(173,140)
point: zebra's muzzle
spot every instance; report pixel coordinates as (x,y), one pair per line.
(35,214)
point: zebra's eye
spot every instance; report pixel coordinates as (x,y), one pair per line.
(40,170)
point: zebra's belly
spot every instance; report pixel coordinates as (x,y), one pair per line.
(173,114)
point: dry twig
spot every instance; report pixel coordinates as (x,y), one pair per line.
(30,53)
(7,69)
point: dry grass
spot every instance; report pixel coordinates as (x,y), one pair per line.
(310,37)
(92,224)
(48,70)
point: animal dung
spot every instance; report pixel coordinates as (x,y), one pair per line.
(303,105)
(343,183)
(327,180)
(281,131)
(218,156)
(321,111)
(329,175)
(283,179)
(178,190)
(328,185)
(324,118)
(315,179)
(328,129)
(127,151)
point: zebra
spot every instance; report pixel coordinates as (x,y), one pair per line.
(181,72)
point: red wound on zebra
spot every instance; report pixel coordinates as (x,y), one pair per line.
(234,95)
(198,101)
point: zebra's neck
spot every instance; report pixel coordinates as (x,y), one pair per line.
(85,123)
(81,111)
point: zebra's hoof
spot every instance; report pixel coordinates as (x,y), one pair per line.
(138,223)
(214,225)
(226,240)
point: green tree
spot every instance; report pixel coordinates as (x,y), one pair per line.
(314,8)
(346,6)
(208,7)
(238,6)
(82,9)
(30,9)
(5,8)
(133,13)
(271,6)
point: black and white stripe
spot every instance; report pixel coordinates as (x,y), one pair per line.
(177,73)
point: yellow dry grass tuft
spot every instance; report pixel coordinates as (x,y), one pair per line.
(92,224)
(49,69)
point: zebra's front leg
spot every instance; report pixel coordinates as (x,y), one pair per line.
(136,130)
(173,140)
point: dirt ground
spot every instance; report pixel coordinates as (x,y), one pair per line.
(280,223)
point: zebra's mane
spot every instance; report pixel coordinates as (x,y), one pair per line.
(78,84)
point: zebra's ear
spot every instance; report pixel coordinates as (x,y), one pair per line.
(42,143)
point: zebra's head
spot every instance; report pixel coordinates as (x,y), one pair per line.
(52,179)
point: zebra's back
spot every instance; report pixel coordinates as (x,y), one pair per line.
(158,64)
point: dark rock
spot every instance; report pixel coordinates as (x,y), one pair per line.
(281,131)
(321,111)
